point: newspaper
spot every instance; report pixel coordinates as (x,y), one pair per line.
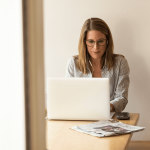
(107,128)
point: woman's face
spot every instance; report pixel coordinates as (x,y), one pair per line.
(97,50)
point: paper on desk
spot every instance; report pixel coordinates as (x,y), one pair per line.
(107,128)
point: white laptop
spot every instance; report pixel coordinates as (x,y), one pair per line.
(78,98)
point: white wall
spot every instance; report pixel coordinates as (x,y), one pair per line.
(130,25)
(12,120)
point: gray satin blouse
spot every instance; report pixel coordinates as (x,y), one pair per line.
(118,77)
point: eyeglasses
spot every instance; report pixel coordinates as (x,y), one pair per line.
(100,42)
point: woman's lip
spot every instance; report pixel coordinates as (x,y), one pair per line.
(97,52)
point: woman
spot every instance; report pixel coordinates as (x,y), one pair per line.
(97,59)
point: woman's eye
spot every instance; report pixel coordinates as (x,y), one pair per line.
(100,41)
(91,42)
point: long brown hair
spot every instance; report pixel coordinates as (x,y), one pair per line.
(83,57)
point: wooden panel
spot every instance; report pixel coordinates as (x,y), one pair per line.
(34,73)
(60,136)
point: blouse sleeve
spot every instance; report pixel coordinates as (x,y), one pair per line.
(70,68)
(121,92)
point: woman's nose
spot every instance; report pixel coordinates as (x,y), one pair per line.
(96,46)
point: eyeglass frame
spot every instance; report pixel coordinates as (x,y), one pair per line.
(96,41)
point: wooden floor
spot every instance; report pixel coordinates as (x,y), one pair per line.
(139,145)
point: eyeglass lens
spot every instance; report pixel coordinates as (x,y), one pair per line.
(99,42)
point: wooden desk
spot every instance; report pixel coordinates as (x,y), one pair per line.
(59,136)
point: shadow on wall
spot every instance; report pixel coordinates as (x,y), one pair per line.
(129,45)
